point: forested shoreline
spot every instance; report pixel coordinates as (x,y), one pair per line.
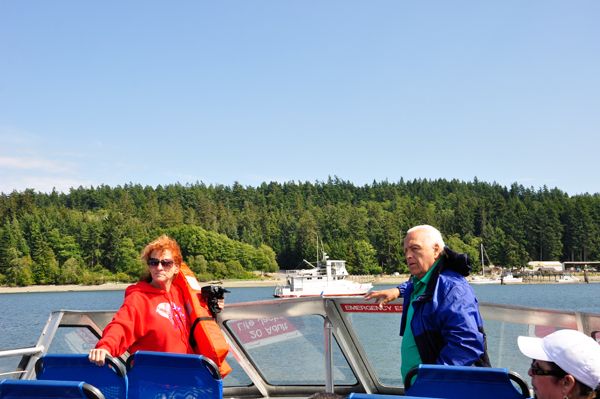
(92,235)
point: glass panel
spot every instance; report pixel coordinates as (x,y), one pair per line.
(503,348)
(290,350)
(8,365)
(73,340)
(237,377)
(373,329)
(378,334)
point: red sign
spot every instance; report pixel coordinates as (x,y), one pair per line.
(259,332)
(370,308)
(542,331)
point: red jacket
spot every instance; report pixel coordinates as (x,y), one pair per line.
(149,319)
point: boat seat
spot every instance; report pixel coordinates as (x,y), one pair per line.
(154,375)
(30,389)
(458,382)
(110,379)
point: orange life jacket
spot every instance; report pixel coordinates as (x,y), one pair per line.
(205,336)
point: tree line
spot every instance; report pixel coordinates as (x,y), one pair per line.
(95,234)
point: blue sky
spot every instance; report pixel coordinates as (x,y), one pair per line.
(155,93)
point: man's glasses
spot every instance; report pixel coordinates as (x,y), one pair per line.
(539,371)
(166,263)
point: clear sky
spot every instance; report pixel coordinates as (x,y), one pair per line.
(159,92)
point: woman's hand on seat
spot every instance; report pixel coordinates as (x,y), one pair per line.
(98,356)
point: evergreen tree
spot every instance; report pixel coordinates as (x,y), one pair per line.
(44,267)
(365,261)
(103,229)
(7,247)
(548,231)
(585,231)
(20,271)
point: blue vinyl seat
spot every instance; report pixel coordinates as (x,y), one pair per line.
(110,379)
(154,375)
(32,389)
(457,382)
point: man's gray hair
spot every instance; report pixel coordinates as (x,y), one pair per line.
(432,235)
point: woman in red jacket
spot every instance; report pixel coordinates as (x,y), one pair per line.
(153,315)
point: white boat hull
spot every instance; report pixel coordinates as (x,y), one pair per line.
(355,289)
(508,279)
(567,279)
(513,280)
(484,281)
(328,278)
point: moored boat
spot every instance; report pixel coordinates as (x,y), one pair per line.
(484,280)
(567,278)
(509,278)
(326,278)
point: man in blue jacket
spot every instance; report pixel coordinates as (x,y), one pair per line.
(439,306)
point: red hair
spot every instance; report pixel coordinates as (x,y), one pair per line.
(162,243)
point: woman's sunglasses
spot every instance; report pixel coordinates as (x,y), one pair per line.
(166,263)
(539,371)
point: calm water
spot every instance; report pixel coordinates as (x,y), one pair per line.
(24,317)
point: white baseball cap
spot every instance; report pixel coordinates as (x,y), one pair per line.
(573,351)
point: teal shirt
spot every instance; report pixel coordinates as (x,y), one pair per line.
(409,352)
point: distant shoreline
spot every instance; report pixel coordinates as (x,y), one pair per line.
(123,286)
(224,283)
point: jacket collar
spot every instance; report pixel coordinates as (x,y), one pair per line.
(450,260)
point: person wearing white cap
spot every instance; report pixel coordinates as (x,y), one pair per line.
(566,365)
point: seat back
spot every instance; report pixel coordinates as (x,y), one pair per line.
(168,375)
(109,379)
(32,389)
(465,383)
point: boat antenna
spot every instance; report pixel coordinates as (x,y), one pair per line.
(322,248)
(323,251)
(483,251)
(482,263)
(317,247)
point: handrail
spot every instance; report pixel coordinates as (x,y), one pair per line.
(14,372)
(21,351)
(516,377)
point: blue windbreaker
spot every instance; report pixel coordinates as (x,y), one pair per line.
(446,324)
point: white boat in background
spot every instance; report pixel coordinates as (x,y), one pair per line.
(509,278)
(484,280)
(326,278)
(506,278)
(567,278)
